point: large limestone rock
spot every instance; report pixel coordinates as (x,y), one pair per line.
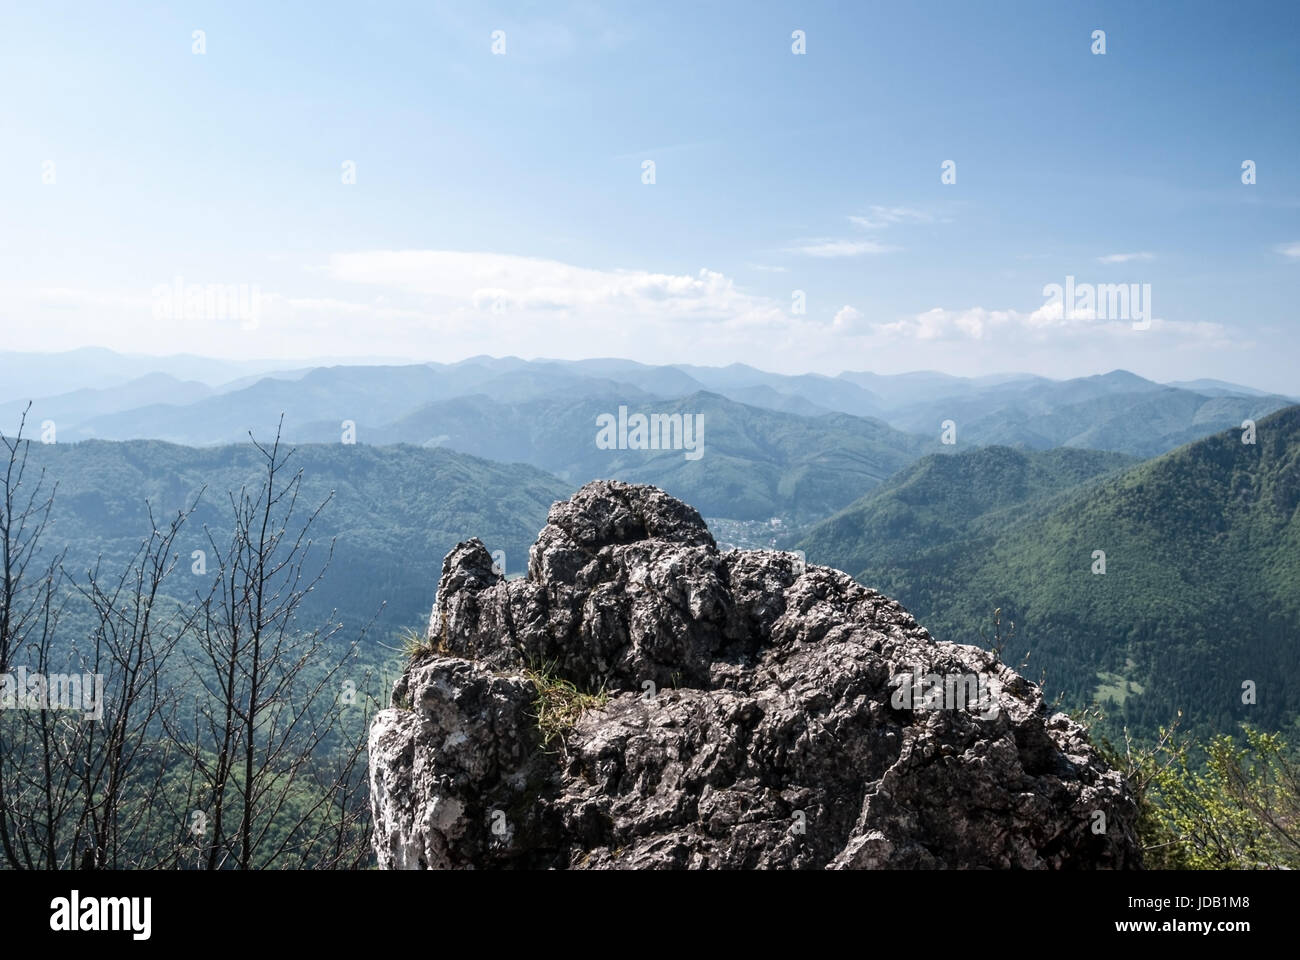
(758,714)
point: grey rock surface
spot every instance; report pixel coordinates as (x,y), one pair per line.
(753,712)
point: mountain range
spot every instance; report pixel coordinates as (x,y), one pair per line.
(793,447)
(1199,530)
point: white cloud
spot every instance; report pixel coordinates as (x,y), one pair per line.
(974,323)
(840,248)
(494,282)
(881,217)
(1125,257)
(430,304)
(1291,250)
(847,320)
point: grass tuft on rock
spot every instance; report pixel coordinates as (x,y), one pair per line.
(417,645)
(559,702)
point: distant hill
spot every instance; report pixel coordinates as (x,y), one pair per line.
(1116,411)
(901,390)
(1202,551)
(756,464)
(67,409)
(945,499)
(28,376)
(373,396)
(397,511)
(1218,388)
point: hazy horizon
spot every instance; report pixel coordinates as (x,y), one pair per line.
(862,188)
(267,365)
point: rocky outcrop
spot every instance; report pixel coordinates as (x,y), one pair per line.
(742,711)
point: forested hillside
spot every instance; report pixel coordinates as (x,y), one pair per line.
(1201,558)
(393,512)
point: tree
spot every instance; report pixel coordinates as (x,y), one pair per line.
(27,620)
(1225,804)
(222,735)
(268,720)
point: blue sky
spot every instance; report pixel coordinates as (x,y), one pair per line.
(499,203)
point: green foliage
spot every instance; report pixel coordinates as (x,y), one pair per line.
(1001,635)
(1225,804)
